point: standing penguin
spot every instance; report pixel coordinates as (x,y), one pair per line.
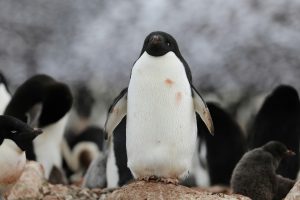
(43,102)
(255,174)
(225,149)
(15,137)
(278,119)
(160,104)
(4,94)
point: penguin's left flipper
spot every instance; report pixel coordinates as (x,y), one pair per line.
(202,109)
(116,113)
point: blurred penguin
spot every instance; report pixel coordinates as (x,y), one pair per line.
(255,174)
(80,150)
(5,96)
(43,102)
(15,137)
(225,148)
(279,119)
(114,166)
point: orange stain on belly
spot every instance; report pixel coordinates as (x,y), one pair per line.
(178,96)
(169,82)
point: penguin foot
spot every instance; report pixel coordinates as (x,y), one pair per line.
(148,178)
(174,181)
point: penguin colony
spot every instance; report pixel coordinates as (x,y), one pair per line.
(157,129)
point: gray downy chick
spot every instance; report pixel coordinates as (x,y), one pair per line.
(255,174)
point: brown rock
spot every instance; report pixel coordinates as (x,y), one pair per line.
(155,190)
(294,193)
(30,182)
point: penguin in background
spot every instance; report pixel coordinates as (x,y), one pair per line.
(161,105)
(225,148)
(255,174)
(43,102)
(80,150)
(278,119)
(15,137)
(5,95)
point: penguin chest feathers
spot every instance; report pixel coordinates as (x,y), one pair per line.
(160,116)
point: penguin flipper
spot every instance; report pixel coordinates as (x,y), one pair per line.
(116,113)
(34,114)
(202,109)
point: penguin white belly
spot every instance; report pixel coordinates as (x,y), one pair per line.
(12,162)
(5,98)
(47,146)
(112,174)
(161,120)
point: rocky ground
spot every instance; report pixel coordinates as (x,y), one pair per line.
(32,186)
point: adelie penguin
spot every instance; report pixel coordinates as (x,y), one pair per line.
(4,93)
(255,174)
(161,105)
(15,138)
(80,150)
(278,119)
(43,102)
(224,149)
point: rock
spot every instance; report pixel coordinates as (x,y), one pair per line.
(157,190)
(30,182)
(294,193)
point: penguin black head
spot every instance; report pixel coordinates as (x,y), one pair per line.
(159,43)
(283,97)
(18,131)
(278,150)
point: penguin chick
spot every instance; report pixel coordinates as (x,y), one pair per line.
(5,96)
(255,174)
(45,103)
(278,119)
(161,105)
(15,137)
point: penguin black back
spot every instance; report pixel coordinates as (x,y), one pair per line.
(55,97)
(225,148)
(159,43)
(119,141)
(278,119)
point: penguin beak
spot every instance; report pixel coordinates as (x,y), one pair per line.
(155,39)
(290,153)
(37,131)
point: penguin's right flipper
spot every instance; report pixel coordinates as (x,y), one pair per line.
(283,188)
(34,114)
(116,113)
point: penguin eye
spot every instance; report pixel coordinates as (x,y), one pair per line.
(13,131)
(168,43)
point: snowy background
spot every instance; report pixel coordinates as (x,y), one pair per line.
(234,48)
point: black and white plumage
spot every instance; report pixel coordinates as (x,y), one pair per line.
(5,95)
(161,105)
(81,149)
(225,148)
(15,137)
(43,102)
(278,119)
(255,174)
(117,171)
